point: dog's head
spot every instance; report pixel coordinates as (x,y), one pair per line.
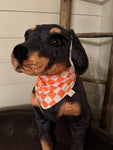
(46,51)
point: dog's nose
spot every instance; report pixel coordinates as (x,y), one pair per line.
(20,52)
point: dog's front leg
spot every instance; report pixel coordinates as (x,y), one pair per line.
(44,129)
(78,132)
(78,137)
(43,124)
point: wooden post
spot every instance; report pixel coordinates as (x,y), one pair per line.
(107,112)
(65,11)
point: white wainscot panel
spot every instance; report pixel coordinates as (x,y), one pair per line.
(91,46)
(14,24)
(31,5)
(15,95)
(10,77)
(82,24)
(103,58)
(92,49)
(53,6)
(81,7)
(95,95)
(91,72)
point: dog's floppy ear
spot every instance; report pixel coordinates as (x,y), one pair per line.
(78,55)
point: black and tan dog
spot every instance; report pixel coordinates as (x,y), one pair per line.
(58,93)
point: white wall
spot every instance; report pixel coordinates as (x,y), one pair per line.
(17,16)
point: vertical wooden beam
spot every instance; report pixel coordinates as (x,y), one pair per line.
(65,13)
(107,112)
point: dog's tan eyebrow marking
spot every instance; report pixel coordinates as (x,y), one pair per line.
(57,30)
(33,28)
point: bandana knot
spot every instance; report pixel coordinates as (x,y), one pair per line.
(50,89)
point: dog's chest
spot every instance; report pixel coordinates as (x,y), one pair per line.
(53,88)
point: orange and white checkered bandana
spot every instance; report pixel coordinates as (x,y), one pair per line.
(50,89)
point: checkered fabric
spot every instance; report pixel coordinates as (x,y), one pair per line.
(50,89)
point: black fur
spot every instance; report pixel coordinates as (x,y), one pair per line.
(78,56)
(58,51)
(78,125)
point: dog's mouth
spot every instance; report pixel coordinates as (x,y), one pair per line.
(33,65)
(36,66)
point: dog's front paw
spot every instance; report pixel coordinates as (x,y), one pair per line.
(69,109)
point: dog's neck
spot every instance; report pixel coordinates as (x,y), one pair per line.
(50,89)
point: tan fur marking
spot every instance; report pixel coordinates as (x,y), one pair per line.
(33,28)
(35,65)
(57,30)
(45,145)
(57,68)
(35,102)
(69,109)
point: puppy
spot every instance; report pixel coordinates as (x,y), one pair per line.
(58,93)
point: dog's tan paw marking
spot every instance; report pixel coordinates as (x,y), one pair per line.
(69,109)
(46,145)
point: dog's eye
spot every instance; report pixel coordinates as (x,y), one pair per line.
(56,42)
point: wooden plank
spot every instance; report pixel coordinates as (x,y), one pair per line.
(49,6)
(80,23)
(98,2)
(31,5)
(107,110)
(65,12)
(15,94)
(83,8)
(10,77)
(15,23)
